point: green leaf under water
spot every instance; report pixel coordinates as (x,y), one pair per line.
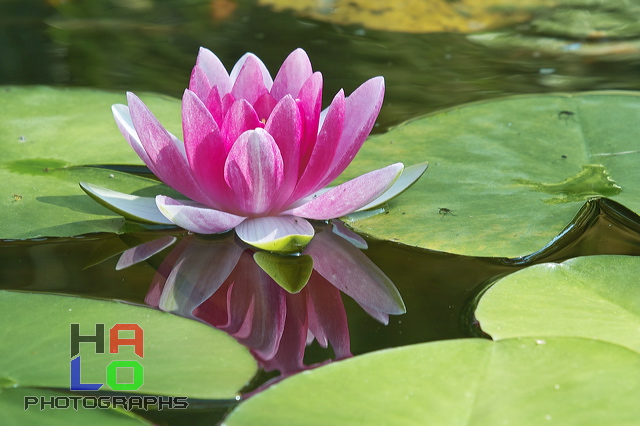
(506,176)
(567,381)
(45,133)
(596,297)
(290,272)
(181,357)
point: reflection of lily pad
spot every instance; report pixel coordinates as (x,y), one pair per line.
(181,357)
(44,133)
(511,173)
(605,21)
(593,28)
(595,297)
(567,381)
(416,16)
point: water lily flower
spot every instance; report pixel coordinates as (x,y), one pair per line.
(258,153)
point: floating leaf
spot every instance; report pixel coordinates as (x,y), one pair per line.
(596,297)
(45,133)
(506,176)
(568,381)
(181,357)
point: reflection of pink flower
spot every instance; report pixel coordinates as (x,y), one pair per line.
(218,282)
(258,152)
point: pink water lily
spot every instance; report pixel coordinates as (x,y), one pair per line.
(257,153)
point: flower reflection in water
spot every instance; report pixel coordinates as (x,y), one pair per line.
(218,281)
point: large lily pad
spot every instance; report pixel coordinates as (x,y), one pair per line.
(45,133)
(568,381)
(596,297)
(181,357)
(506,176)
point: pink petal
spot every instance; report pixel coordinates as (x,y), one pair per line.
(214,105)
(165,153)
(310,104)
(123,119)
(264,106)
(324,149)
(285,126)
(197,218)
(250,82)
(205,150)
(348,269)
(361,110)
(227,102)
(239,118)
(213,70)
(266,77)
(199,83)
(263,230)
(349,196)
(254,171)
(293,73)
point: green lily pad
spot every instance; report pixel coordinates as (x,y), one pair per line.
(180,357)
(45,134)
(568,381)
(596,297)
(12,407)
(506,176)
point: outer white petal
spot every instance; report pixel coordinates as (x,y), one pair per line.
(409,176)
(196,217)
(286,234)
(139,209)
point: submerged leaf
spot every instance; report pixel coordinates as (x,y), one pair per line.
(290,272)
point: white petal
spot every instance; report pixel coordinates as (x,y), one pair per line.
(409,176)
(196,217)
(139,209)
(286,234)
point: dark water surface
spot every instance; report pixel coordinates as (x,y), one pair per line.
(147,46)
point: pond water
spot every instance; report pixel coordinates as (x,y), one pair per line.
(145,46)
